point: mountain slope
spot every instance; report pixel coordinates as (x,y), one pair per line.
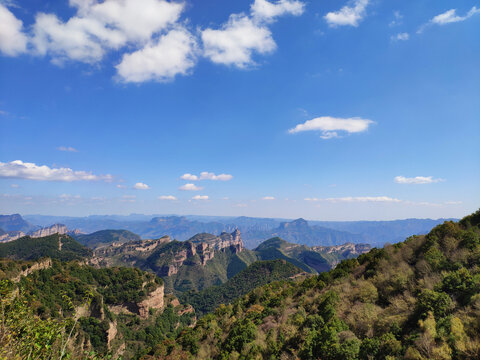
(15,222)
(204,260)
(57,246)
(300,232)
(419,299)
(257,274)
(104,237)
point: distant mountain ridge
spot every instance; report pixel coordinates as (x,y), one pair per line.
(254,230)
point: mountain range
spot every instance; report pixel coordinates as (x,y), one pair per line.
(254,230)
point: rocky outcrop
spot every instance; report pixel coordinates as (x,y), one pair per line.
(44,264)
(346,250)
(47,231)
(204,245)
(153,301)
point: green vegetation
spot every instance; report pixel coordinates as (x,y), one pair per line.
(419,299)
(105,237)
(27,248)
(257,274)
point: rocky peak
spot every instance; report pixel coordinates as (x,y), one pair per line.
(47,231)
(298,223)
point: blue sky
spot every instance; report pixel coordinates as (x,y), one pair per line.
(329,110)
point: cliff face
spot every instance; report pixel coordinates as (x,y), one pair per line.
(347,249)
(205,246)
(47,231)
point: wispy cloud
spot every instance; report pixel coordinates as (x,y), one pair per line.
(416,180)
(205,175)
(349,15)
(400,37)
(167,197)
(67,148)
(141,186)
(448,17)
(351,199)
(268,198)
(331,126)
(397,19)
(22,170)
(200,197)
(190,187)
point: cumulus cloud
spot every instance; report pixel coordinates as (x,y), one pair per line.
(351,199)
(189,177)
(243,35)
(205,175)
(265,10)
(22,170)
(448,17)
(167,197)
(400,37)
(67,148)
(350,15)
(141,186)
(235,42)
(12,39)
(200,197)
(190,187)
(171,55)
(416,180)
(330,126)
(154,43)
(268,198)
(102,26)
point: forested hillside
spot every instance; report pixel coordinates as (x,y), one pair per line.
(257,274)
(56,246)
(419,299)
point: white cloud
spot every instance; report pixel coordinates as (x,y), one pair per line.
(243,35)
(167,197)
(205,175)
(141,186)
(448,17)
(268,198)
(171,55)
(350,199)
(400,37)
(190,187)
(348,15)
(21,170)
(236,41)
(120,186)
(69,197)
(12,39)
(189,177)
(265,10)
(100,27)
(67,148)
(329,126)
(200,197)
(416,180)
(453,203)
(451,16)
